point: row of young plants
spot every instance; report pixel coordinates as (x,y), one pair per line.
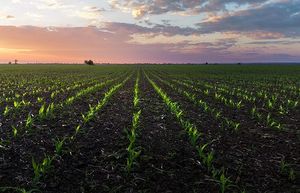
(41,168)
(215,113)
(206,156)
(35,88)
(47,112)
(133,151)
(260,115)
(267,120)
(252,90)
(271,102)
(286,169)
(18,101)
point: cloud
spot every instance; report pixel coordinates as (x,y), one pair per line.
(16,1)
(270,21)
(34,16)
(92,13)
(10,17)
(51,5)
(140,8)
(283,42)
(167,30)
(114,43)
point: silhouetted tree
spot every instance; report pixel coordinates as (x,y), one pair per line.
(16,61)
(89,62)
(9,62)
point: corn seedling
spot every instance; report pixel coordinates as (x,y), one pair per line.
(41,112)
(208,160)
(136,92)
(77,129)
(58,145)
(49,110)
(17,104)
(132,155)
(201,152)
(194,136)
(29,122)
(225,183)
(6,111)
(40,169)
(87,117)
(239,105)
(286,169)
(270,121)
(40,99)
(292,175)
(270,104)
(135,120)
(14,131)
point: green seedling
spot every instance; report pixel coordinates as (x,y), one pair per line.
(40,99)
(239,105)
(201,152)
(14,131)
(208,160)
(132,155)
(6,111)
(58,146)
(292,175)
(225,183)
(77,129)
(41,168)
(286,169)
(194,136)
(42,112)
(49,110)
(29,122)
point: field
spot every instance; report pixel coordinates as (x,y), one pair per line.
(149,128)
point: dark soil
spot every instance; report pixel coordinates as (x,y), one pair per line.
(252,156)
(95,160)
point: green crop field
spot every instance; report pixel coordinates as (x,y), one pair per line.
(149,128)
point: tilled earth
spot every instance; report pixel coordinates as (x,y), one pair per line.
(95,161)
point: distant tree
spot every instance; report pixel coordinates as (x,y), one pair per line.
(89,62)
(16,61)
(9,62)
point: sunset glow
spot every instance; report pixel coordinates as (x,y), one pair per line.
(130,31)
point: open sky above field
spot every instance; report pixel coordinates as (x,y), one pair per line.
(120,31)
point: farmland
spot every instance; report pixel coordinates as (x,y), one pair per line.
(149,128)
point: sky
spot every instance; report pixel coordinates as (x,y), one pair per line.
(150,31)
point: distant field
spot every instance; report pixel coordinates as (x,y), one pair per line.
(149,128)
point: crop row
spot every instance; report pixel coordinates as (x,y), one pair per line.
(206,156)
